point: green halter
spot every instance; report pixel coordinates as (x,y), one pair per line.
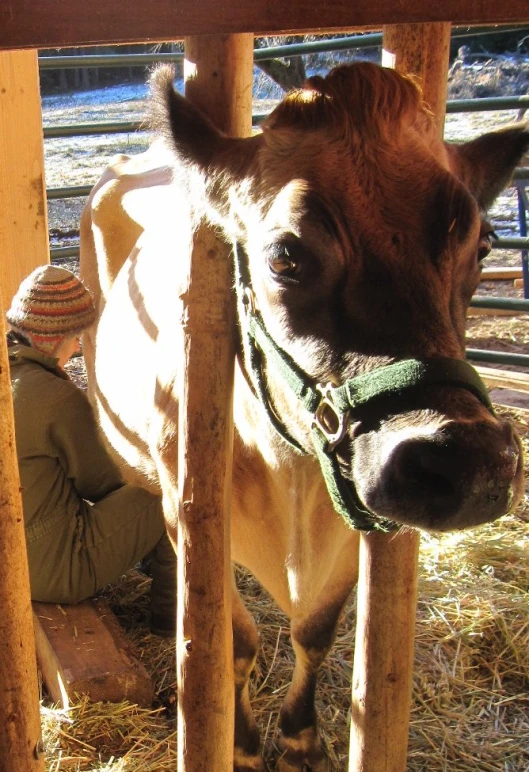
(332,406)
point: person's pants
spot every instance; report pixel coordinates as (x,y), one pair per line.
(81,554)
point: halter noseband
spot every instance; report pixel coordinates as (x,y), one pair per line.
(332,406)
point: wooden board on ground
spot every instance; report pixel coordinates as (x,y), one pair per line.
(504,379)
(82,649)
(501,274)
(492,312)
(506,387)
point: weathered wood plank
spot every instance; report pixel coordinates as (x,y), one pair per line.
(383,656)
(492,312)
(82,649)
(23,213)
(501,274)
(504,379)
(49,24)
(21,745)
(218,74)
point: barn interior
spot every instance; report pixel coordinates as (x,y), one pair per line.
(470,648)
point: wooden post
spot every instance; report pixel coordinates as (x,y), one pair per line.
(218,72)
(220,83)
(387,587)
(20,736)
(422,50)
(23,215)
(383,660)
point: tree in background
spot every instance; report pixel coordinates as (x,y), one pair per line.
(287,72)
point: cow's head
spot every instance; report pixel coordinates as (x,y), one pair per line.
(365,238)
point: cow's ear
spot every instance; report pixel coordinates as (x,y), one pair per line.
(486,164)
(195,139)
(184,127)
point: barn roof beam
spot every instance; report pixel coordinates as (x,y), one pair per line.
(372,40)
(48,24)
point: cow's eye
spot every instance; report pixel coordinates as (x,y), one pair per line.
(284,262)
(485,244)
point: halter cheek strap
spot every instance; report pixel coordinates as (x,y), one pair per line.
(332,407)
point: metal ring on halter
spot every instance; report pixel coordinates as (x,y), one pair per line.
(248,300)
(331,423)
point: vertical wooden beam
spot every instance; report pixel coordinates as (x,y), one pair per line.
(422,50)
(23,215)
(219,72)
(387,587)
(383,659)
(20,736)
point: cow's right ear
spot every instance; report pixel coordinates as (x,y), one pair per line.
(194,138)
(190,133)
(486,164)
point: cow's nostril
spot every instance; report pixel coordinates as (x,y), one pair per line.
(457,476)
(432,467)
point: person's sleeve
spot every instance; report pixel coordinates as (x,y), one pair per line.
(75,440)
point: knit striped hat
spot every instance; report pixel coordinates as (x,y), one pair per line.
(50,305)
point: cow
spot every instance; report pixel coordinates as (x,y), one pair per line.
(359,237)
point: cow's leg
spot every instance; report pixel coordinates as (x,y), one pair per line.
(247,757)
(312,638)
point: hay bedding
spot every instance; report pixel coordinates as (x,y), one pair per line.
(470,707)
(470,703)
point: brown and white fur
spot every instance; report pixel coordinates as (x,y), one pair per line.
(365,237)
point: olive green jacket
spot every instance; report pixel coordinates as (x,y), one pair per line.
(62,459)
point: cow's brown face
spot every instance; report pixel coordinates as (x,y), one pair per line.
(365,241)
(341,304)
